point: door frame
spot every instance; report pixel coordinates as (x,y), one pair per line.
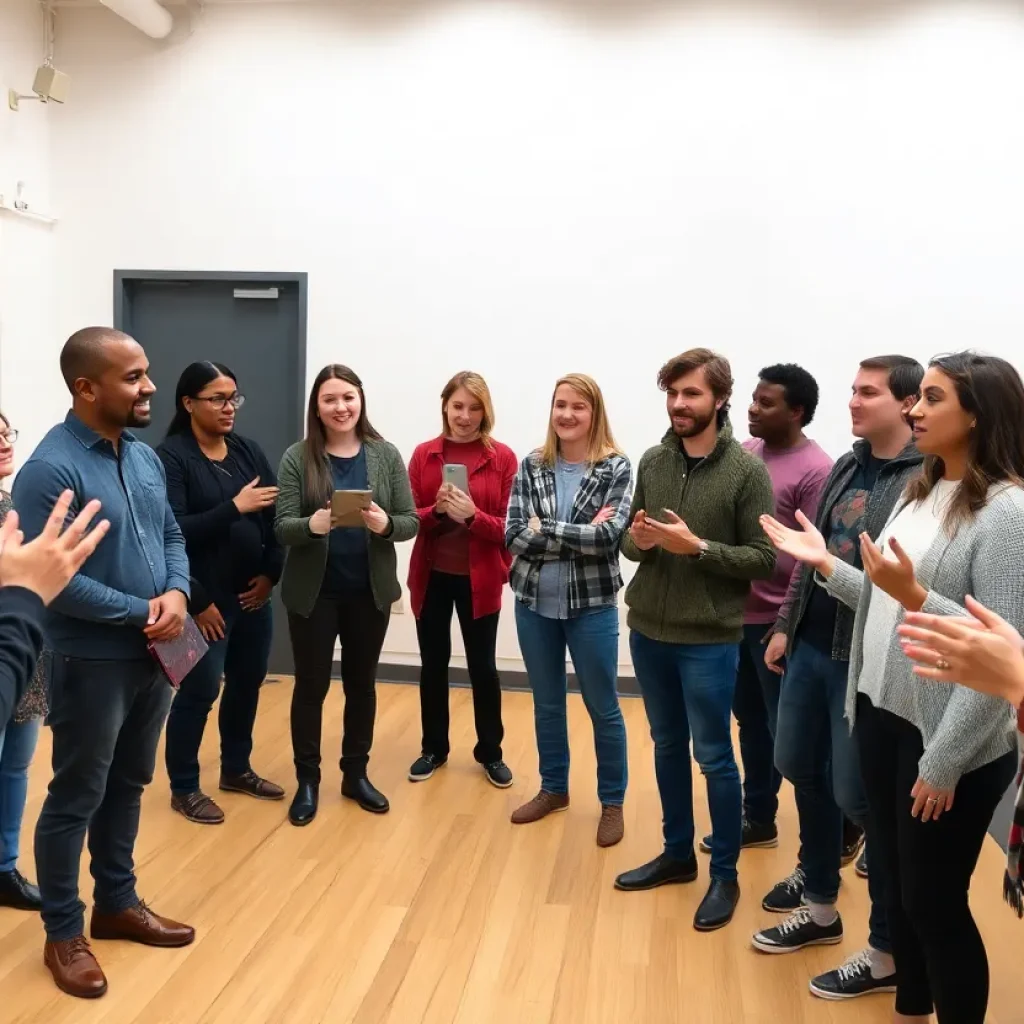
(124,280)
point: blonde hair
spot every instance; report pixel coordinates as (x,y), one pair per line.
(601,444)
(477,387)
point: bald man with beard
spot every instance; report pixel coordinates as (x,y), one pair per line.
(109,698)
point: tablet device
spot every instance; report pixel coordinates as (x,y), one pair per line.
(346,506)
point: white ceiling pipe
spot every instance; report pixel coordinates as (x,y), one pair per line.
(146,15)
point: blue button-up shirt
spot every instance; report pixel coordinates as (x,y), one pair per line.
(103,610)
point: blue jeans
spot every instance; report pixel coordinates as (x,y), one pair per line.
(593,643)
(756,707)
(241,657)
(815,751)
(689,688)
(17,745)
(106,718)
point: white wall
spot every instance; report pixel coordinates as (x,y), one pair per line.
(529,188)
(30,389)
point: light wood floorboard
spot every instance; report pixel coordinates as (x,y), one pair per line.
(442,912)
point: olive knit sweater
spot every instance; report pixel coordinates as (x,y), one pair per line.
(684,599)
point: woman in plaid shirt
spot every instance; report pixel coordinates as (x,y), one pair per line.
(568,510)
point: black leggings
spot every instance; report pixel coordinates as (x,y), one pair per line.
(940,958)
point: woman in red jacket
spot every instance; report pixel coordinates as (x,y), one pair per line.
(460,561)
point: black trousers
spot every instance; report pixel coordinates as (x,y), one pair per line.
(361,626)
(940,957)
(434,629)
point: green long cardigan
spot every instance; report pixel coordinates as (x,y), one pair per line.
(307,552)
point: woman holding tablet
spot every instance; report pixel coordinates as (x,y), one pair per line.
(461,482)
(340,582)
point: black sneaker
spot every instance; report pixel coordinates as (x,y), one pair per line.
(852,979)
(755,837)
(498,774)
(425,766)
(787,896)
(853,841)
(861,867)
(798,931)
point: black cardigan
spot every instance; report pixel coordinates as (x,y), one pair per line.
(208,522)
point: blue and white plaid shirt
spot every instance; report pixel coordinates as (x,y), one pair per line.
(591,551)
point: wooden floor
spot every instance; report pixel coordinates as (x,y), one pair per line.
(442,911)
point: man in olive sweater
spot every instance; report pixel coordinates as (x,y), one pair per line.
(695,532)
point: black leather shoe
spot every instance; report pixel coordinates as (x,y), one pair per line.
(365,794)
(663,870)
(303,808)
(717,907)
(18,892)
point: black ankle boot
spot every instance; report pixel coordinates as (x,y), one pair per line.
(365,794)
(303,808)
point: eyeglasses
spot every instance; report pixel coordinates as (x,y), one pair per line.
(10,435)
(236,401)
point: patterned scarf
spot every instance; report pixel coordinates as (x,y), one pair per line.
(1013,883)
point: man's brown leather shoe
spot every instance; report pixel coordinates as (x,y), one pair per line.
(74,968)
(140,924)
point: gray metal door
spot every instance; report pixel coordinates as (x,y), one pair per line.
(253,324)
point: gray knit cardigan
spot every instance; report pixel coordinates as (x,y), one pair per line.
(962,729)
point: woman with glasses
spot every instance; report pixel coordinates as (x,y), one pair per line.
(222,491)
(17,741)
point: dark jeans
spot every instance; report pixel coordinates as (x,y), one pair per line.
(106,718)
(361,626)
(756,707)
(940,957)
(434,630)
(816,753)
(688,689)
(241,657)
(592,639)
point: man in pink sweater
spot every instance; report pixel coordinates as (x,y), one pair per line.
(783,403)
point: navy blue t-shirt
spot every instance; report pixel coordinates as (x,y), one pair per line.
(348,557)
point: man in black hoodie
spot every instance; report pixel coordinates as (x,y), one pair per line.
(813,745)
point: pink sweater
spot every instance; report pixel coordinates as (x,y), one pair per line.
(798,478)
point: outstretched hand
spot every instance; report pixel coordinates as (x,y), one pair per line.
(805,545)
(46,565)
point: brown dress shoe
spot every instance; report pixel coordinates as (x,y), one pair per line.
(74,968)
(610,829)
(540,806)
(140,924)
(252,785)
(197,807)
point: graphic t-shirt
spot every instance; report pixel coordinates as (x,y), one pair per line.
(842,536)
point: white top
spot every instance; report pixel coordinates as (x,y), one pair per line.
(915,527)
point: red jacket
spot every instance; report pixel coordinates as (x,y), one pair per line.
(490,483)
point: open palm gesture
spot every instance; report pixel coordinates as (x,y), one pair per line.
(805,545)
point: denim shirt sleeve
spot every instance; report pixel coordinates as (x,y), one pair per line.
(36,490)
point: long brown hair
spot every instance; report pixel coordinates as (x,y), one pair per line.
(318,480)
(600,444)
(477,387)
(990,389)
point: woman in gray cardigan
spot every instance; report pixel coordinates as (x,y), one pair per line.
(936,758)
(339,582)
